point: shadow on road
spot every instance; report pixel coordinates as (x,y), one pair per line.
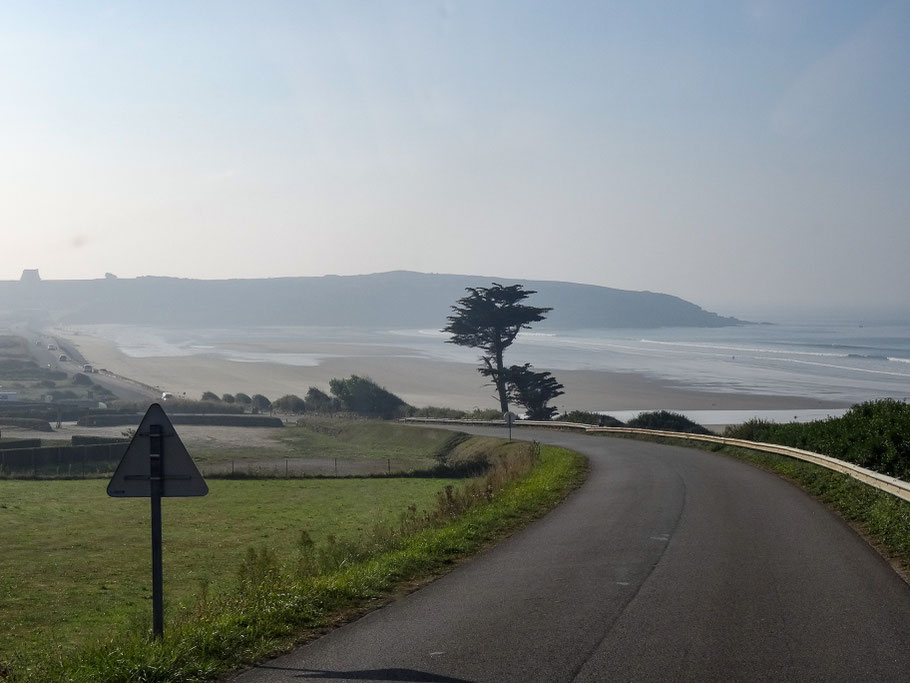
(407,675)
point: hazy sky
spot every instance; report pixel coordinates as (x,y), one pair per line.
(747,156)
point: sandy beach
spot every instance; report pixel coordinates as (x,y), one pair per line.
(418,380)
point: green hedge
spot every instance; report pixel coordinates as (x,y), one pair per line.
(874,435)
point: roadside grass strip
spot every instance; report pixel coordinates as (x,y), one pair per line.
(278,603)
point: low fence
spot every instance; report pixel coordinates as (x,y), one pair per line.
(896,487)
(60,460)
(207,419)
(279,468)
(9,444)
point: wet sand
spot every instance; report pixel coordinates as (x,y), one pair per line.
(418,380)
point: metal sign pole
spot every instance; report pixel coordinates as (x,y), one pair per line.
(141,473)
(156,484)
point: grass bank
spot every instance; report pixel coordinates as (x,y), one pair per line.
(275,602)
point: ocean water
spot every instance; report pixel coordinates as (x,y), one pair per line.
(836,362)
(843,363)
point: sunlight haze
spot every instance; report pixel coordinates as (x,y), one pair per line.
(751,157)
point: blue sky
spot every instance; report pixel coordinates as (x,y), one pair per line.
(753,157)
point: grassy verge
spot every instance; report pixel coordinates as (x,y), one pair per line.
(883,519)
(276,603)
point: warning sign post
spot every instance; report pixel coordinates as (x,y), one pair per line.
(156,465)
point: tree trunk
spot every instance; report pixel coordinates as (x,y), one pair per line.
(500,381)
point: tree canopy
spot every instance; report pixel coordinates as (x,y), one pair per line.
(490,318)
(533,391)
(290,403)
(260,403)
(363,396)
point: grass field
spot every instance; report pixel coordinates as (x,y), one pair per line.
(75,564)
(277,604)
(319,439)
(249,565)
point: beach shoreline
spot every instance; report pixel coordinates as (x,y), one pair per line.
(421,381)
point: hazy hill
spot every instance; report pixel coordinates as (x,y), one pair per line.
(395,299)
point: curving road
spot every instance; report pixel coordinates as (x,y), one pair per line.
(669,564)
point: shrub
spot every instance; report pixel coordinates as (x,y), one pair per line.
(290,403)
(363,396)
(484,414)
(589,418)
(210,396)
(242,398)
(260,403)
(228,398)
(320,402)
(667,421)
(436,412)
(81,380)
(874,434)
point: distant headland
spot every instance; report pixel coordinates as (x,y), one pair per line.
(393,299)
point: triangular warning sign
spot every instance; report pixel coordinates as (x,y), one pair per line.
(179,474)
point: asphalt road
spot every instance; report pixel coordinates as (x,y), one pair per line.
(121,387)
(669,564)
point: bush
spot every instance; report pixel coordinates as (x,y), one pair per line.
(436,412)
(81,380)
(243,399)
(260,403)
(363,396)
(210,396)
(320,402)
(290,403)
(667,421)
(874,435)
(228,398)
(484,414)
(588,418)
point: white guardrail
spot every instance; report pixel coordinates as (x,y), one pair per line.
(883,482)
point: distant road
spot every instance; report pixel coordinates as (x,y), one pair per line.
(121,387)
(668,564)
